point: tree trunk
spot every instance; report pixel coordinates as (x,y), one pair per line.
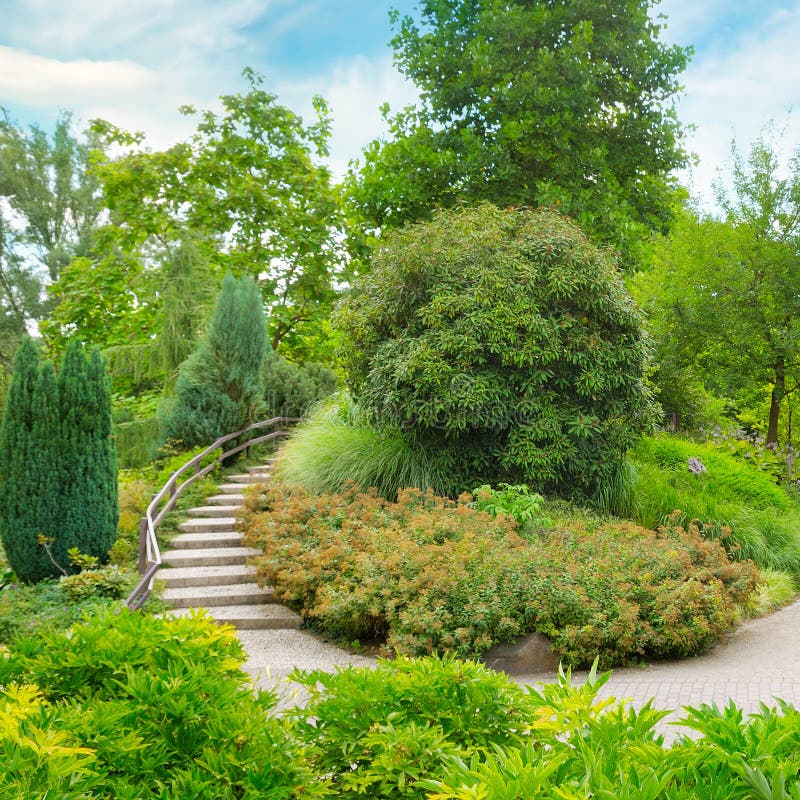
(778,391)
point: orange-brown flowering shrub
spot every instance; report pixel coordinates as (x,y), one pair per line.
(427,574)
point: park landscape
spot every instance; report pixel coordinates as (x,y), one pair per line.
(540,389)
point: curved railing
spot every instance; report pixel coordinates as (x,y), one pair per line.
(149,553)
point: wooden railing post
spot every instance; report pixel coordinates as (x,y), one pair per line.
(142,545)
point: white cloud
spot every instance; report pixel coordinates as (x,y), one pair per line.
(733,94)
(35,80)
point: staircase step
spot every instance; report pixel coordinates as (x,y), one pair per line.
(228,574)
(205,539)
(213,511)
(234,498)
(241,594)
(232,488)
(208,556)
(218,525)
(246,478)
(265,470)
(266,617)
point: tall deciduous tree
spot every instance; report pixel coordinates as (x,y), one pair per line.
(567,103)
(250,190)
(220,387)
(49,208)
(725,292)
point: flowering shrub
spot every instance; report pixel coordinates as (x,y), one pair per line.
(430,575)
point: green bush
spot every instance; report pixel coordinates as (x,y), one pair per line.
(506,343)
(160,709)
(291,390)
(378,732)
(35,609)
(130,707)
(517,501)
(337,446)
(735,501)
(109,581)
(58,475)
(431,575)
(219,388)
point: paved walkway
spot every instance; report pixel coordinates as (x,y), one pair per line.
(757,663)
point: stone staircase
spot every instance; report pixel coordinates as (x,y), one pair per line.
(206,566)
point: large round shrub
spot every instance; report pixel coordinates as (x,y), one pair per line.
(504,341)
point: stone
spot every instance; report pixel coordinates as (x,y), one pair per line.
(528,655)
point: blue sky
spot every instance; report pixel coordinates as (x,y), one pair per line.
(134,62)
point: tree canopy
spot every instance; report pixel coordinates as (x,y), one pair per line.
(250,192)
(724,295)
(565,103)
(49,208)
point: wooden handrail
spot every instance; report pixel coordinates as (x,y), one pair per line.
(149,553)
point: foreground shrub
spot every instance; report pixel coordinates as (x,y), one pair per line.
(433,575)
(156,708)
(506,342)
(377,732)
(736,502)
(448,730)
(337,446)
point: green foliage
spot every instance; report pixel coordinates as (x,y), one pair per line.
(92,580)
(27,438)
(219,388)
(723,295)
(137,442)
(50,210)
(566,104)
(337,446)
(161,707)
(130,707)
(432,575)
(774,591)
(378,732)
(517,501)
(735,501)
(34,609)
(250,193)
(57,462)
(87,511)
(293,389)
(504,343)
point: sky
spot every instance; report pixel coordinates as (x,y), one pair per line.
(134,62)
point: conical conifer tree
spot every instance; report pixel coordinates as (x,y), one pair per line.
(20,467)
(58,475)
(219,387)
(88,482)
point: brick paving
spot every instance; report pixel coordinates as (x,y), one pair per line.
(757,663)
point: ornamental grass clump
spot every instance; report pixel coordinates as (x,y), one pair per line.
(430,575)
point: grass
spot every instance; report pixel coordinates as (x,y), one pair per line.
(336,446)
(774,591)
(763,520)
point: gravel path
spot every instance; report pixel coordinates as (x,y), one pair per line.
(757,663)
